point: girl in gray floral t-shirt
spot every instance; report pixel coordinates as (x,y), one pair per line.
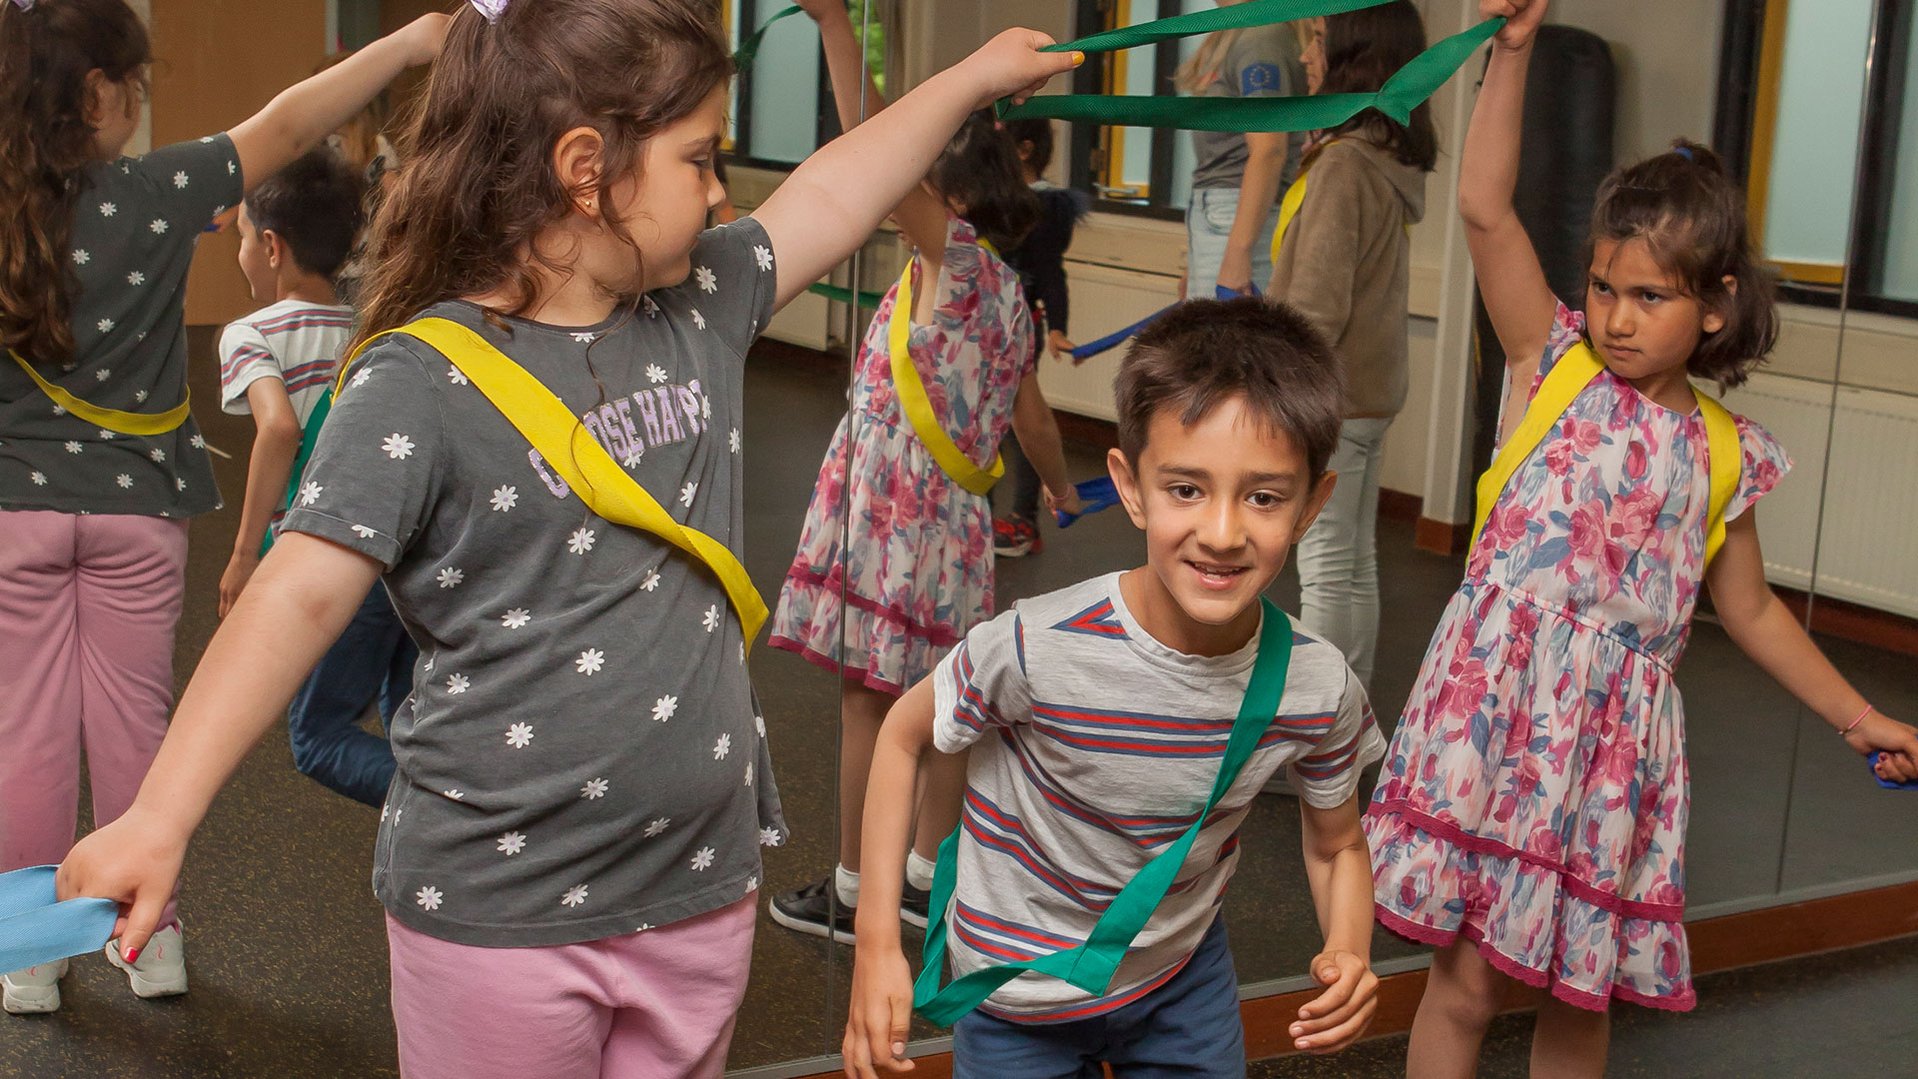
(570,845)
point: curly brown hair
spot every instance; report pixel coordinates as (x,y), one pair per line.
(476,184)
(46,54)
(1692,216)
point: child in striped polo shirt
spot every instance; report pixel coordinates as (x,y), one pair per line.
(1097,717)
(297,234)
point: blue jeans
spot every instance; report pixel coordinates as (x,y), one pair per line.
(1188,1027)
(1208,225)
(1339,556)
(372,661)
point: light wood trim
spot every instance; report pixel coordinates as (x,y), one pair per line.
(1717,944)
(1811,273)
(1114,137)
(1771,77)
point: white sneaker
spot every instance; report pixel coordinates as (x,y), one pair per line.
(33,990)
(161,968)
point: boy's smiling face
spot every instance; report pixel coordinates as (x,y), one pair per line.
(1221,501)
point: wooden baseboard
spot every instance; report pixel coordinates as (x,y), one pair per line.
(1717,944)
(1440,537)
(1852,622)
(1399,505)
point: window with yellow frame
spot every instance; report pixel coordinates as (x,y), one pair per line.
(1133,168)
(1830,126)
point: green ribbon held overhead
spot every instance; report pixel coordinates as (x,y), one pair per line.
(1403,92)
(749,45)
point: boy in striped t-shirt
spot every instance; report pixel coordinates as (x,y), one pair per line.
(298,230)
(276,364)
(1096,718)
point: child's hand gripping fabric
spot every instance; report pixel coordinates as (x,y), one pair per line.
(1523,18)
(1891,746)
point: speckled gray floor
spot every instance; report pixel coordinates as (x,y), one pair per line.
(288,953)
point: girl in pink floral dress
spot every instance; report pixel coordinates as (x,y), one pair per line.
(1531,819)
(916,568)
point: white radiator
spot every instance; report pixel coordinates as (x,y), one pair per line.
(1104,300)
(1867,549)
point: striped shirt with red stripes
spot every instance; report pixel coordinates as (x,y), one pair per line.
(1093,745)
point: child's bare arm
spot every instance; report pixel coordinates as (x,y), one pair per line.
(306,591)
(832,202)
(1339,870)
(1760,624)
(1038,433)
(306,112)
(881,1009)
(276,443)
(1517,297)
(920,216)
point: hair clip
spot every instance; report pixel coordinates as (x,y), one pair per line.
(492,9)
(24,5)
(1684,152)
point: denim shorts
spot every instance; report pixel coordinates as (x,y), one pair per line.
(1189,1027)
(1208,225)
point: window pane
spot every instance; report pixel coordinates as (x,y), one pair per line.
(1184,158)
(729,11)
(785,90)
(1820,98)
(1131,147)
(1901,243)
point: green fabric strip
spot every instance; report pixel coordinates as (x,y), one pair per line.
(749,45)
(1091,966)
(868,301)
(1402,93)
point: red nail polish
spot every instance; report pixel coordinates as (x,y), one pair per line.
(133,956)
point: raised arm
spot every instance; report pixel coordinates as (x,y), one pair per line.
(832,202)
(920,215)
(1510,278)
(306,112)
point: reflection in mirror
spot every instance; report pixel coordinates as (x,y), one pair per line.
(1860,590)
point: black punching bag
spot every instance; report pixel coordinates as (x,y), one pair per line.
(1570,102)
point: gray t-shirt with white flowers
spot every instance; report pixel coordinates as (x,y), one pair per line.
(135,225)
(582,755)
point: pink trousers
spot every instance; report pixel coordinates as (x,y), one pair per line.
(649,1005)
(87,610)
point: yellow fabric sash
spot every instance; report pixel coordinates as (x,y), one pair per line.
(1573,372)
(112,419)
(918,407)
(571,452)
(1288,209)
